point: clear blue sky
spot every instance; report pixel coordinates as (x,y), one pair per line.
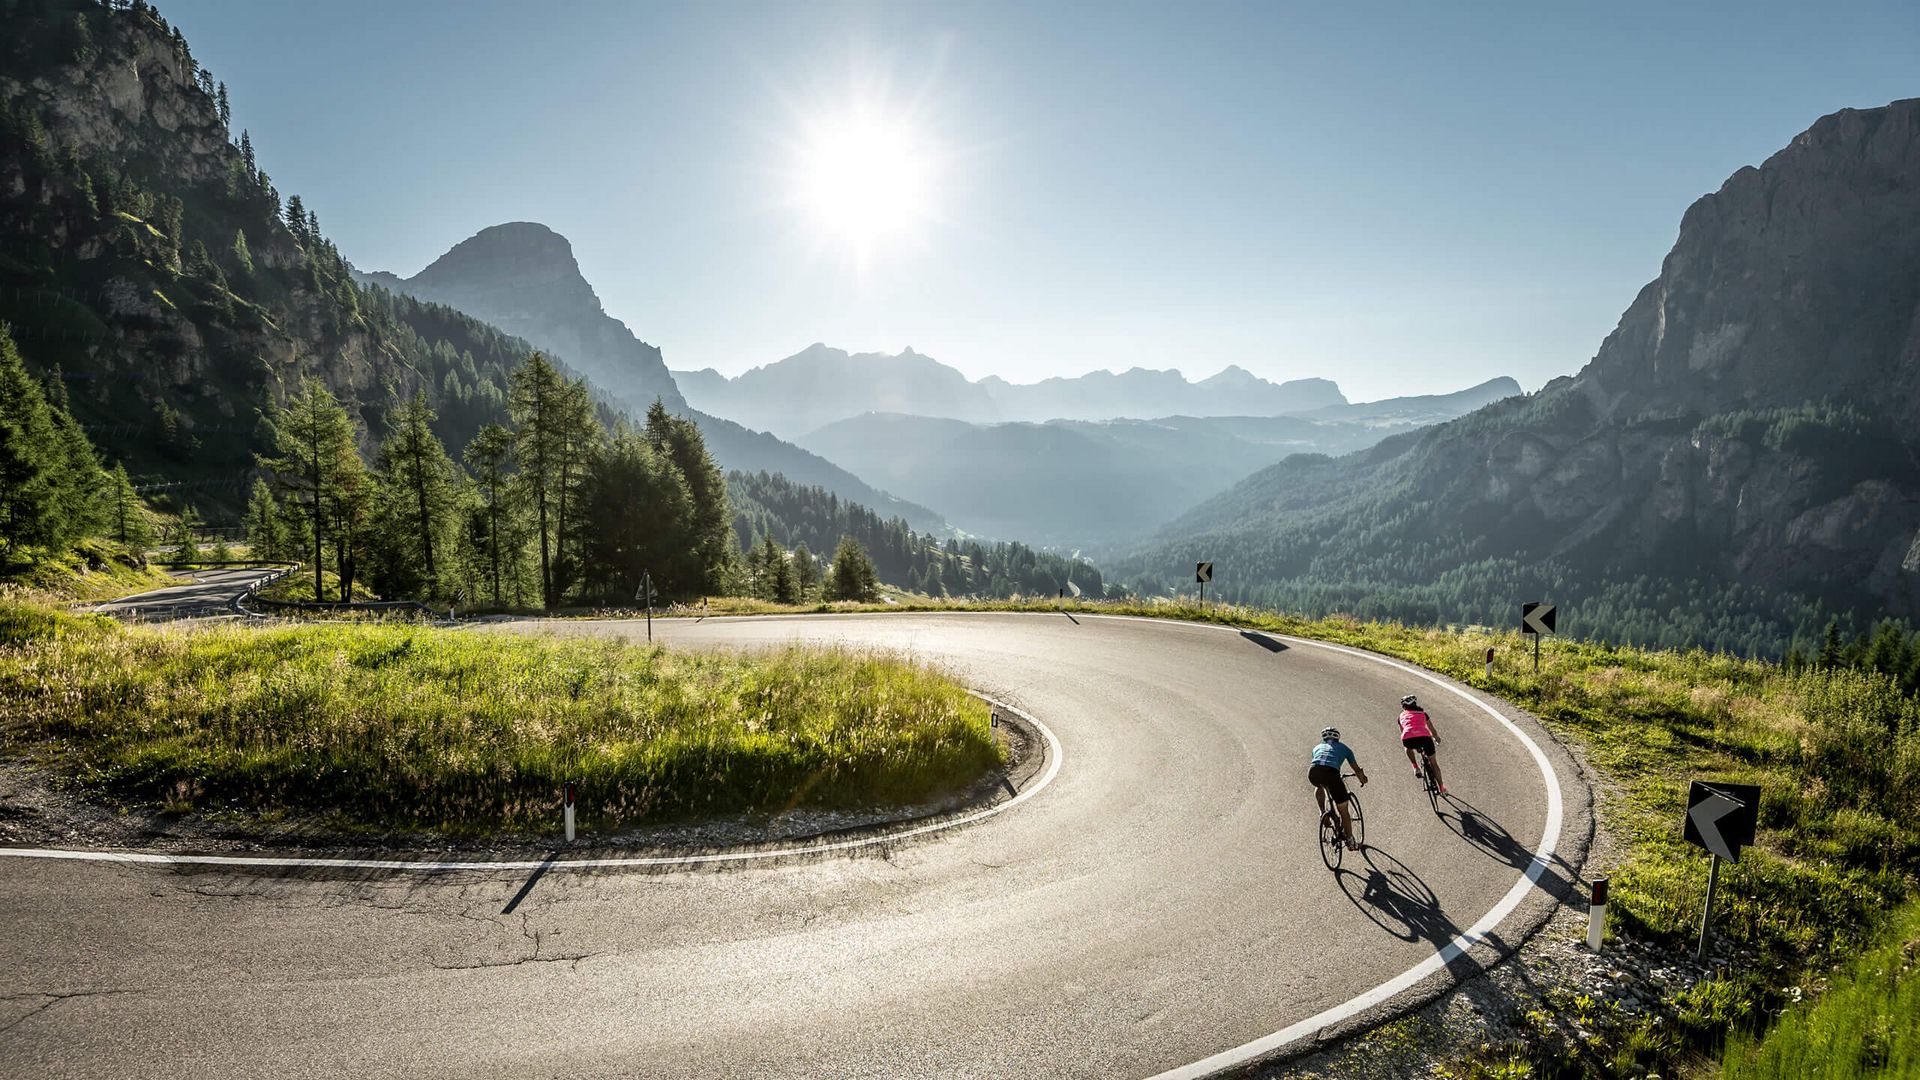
(1406,198)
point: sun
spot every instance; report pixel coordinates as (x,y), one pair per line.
(864,179)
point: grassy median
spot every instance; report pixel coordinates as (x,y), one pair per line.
(382,726)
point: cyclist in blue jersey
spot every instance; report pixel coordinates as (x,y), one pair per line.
(1324,774)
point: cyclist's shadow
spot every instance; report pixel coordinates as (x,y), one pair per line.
(1488,836)
(1388,892)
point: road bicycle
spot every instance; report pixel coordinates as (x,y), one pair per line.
(1427,779)
(1331,847)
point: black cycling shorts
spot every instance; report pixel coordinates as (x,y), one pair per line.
(1422,743)
(1328,777)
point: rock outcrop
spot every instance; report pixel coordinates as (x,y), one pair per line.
(522,277)
(1744,439)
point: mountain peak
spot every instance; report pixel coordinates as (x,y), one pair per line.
(522,252)
(521,277)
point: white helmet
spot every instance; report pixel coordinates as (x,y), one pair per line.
(1329,734)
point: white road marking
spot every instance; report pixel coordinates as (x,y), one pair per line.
(1476,934)
(612,863)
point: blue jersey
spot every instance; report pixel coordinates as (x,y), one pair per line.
(1334,753)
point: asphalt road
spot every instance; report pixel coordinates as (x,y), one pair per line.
(1161,902)
(202,593)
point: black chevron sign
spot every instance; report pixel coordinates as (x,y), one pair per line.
(1721,817)
(1537,618)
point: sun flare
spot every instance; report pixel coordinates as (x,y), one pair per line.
(864,179)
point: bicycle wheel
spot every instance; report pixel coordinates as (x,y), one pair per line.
(1359,822)
(1433,789)
(1330,839)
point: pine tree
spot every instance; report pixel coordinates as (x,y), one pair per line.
(633,499)
(1830,646)
(183,537)
(30,462)
(80,482)
(318,468)
(806,574)
(422,484)
(130,525)
(297,218)
(853,576)
(242,255)
(490,457)
(710,539)
(537,404)
(266,529)
(226,110)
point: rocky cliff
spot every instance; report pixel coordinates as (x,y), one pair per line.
(149,263)
(522,277)
(1738,457)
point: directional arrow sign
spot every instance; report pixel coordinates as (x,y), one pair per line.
(1203,572)
(1721,817)
(1537,618)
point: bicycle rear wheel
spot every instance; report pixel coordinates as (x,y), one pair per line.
(1433,789)
(1330,848)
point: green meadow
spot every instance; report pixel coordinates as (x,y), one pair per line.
(385,726)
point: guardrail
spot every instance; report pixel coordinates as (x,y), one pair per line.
(252,595)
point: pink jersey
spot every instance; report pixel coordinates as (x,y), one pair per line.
(1413,724)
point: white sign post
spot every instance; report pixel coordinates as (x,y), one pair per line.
(573,793)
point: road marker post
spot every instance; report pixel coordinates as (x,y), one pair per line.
(646,590)
(572,796)
(1597,914)
(1489,661)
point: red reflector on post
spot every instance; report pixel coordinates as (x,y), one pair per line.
(1599,892)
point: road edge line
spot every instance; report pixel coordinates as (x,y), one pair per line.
(1054,758)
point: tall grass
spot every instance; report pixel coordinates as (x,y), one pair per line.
(391,726)
(1866,1025)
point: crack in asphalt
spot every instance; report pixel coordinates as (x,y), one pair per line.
(55,999)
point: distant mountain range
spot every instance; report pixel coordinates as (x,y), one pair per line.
(1079,483)
(820,385)
(523,278)
(1738,459)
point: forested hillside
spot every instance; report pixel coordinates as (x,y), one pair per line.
(522,276)
(150,264)
(1736,463)
(797,516)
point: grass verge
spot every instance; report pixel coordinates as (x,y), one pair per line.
(91,570)
(389,726)
(1867,1024)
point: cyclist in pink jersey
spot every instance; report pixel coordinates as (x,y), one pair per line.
(1416,733)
